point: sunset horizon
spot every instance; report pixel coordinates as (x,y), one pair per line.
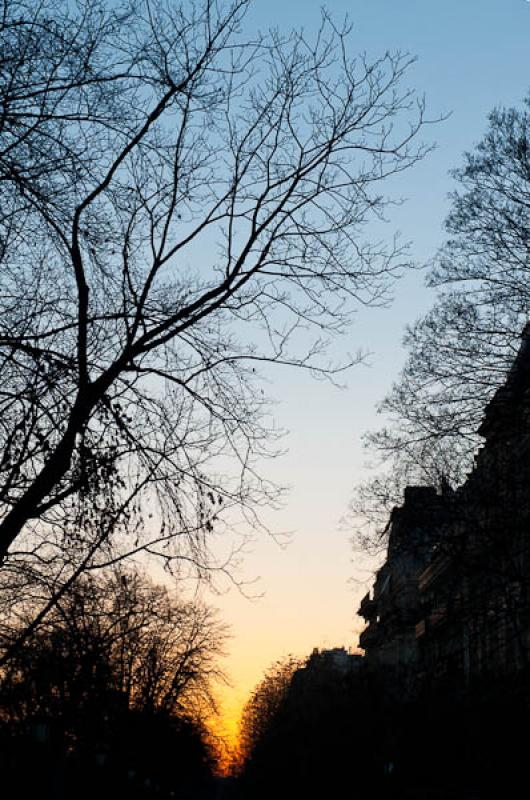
(264,421)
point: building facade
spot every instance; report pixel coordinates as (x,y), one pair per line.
(452,600)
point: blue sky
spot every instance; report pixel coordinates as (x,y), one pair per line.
(471,56)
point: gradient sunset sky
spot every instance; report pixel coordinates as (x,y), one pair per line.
(472,55)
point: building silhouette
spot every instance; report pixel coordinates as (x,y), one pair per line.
(451,601)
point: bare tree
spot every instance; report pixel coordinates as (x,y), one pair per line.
(114,689)
(117,635)
(460,353)
(181,203)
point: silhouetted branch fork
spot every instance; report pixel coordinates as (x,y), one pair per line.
(182,202)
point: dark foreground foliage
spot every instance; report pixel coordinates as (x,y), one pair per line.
(106,699)
(134,754)
(367,733)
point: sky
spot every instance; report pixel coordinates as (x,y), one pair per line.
(471,56)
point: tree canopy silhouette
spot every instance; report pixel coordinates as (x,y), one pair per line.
(113,690)
(259,715)
(181,202)
(459,353)
(114,635)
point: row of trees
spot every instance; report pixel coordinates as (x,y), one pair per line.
(261,709)
(113,690)
(361,730)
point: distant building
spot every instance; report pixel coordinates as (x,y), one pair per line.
(452,599)
(337,659)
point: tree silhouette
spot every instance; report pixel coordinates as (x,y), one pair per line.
(460,352)
(119,675)
(180,202)
(258,718)
(325,723)
(118,633)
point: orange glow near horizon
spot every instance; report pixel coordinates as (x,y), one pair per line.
(312,588)
(305,597)
(262,634)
